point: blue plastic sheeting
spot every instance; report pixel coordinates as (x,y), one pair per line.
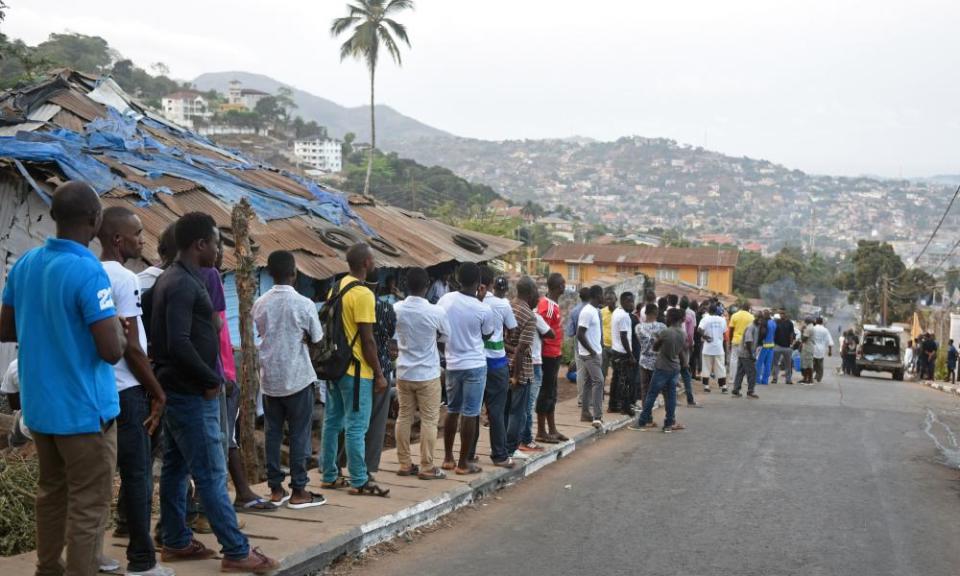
(65,152)
(121,138)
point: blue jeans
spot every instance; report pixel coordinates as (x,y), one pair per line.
(465,391)
(297,411)
(495,397)
(526,435)
(135,462)
(518,399)
(191,428)
(663,381)
(340,416)
(687,383)
(764,365)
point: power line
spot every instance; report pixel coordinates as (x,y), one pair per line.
(947,257)
(935,230)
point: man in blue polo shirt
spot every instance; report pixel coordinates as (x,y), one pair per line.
(58,305)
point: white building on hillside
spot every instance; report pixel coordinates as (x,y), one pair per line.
(247,97)
(323,154)
(181,107)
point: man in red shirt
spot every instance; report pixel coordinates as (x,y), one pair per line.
(547,400)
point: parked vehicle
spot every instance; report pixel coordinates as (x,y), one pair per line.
(880,350)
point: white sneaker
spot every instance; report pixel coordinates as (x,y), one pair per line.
(598,424)
(157,570)
(518,455)
(108,564)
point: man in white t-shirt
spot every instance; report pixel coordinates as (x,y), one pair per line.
(287,324)
(624,363)
(712,329)
(420,327)
(589,350)
(493,292)
(822,347)
(471,323)
(141,397)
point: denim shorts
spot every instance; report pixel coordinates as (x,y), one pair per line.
(465,391)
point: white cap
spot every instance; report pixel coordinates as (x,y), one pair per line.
(776,316)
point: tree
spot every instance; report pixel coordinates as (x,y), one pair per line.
(877,269)
(348,139)
(78,51)
(372,26)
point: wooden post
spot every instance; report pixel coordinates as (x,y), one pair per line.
(249,369)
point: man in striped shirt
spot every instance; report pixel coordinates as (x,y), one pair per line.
(521,362)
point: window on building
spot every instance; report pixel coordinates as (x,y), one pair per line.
(669,274)
(703,278)
(573,273)
(601,268)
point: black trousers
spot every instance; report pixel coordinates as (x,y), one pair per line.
(547,399)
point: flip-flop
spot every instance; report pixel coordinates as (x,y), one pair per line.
(434,474)
(470,469)
(282,501)
(370,489)
(315,500)
(413,470)
(338,483)
(447,465)
(256,505)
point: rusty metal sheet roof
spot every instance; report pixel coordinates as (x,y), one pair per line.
(400,238)
(78,104)
(196,201)
(270,179)
(431,242)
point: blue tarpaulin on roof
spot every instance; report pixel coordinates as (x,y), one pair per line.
(120,137)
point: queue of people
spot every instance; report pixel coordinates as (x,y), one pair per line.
(115,368)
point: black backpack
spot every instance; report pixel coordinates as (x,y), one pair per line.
(334,354)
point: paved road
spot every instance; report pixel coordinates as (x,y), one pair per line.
(835,479)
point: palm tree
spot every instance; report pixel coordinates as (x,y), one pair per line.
(371,26)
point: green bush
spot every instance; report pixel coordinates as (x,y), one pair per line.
(18,488)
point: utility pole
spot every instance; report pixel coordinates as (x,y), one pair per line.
(883,299)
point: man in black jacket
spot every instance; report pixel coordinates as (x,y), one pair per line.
(783,347)
(186,347)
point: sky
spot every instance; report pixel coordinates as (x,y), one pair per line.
(845,87)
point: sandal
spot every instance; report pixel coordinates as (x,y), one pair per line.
(470,469)
(340,482)
(413,470)
(255,505)
(433,474)
(315,500)
(282,501)
(547,439)
(449,465)
(370,489)
(559,437)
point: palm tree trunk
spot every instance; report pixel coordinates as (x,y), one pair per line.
(373,138)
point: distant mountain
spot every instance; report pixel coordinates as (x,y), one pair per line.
(397,128)
(637,184)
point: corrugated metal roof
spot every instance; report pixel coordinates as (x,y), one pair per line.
(402,239)
(270,179)
(640,255)
(79,104)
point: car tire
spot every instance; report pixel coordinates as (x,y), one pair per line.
(856,372)
(898,375)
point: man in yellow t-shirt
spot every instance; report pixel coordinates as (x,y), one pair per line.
(606,319)
(739,322)
(342,414)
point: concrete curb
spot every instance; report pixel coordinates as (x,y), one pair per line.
(943,387)
(315,558)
